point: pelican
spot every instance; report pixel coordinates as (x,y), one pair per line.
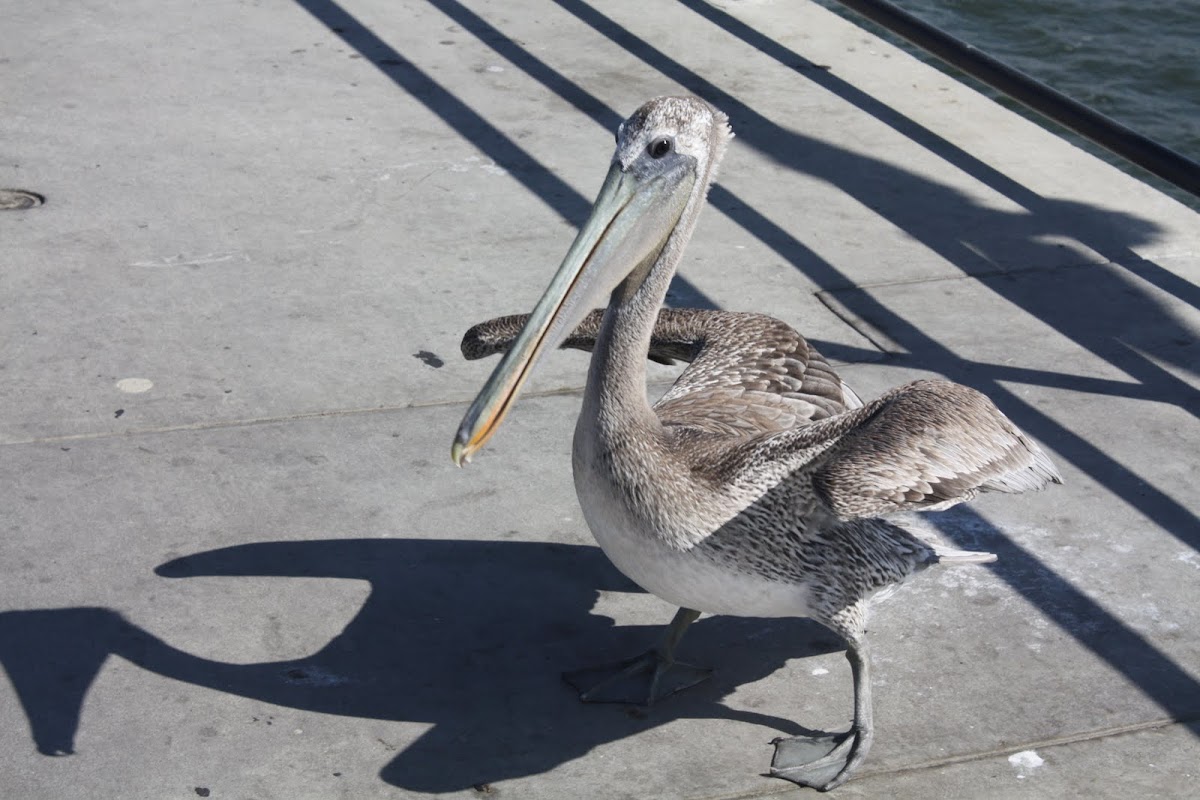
(758,484)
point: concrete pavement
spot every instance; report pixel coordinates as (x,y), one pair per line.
(237,561)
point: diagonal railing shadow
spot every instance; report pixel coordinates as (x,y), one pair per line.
(741,212)
(832,164)
(725,200)
(907,200)
(952,154)
(1154,673)
(531,173)
(1003,373)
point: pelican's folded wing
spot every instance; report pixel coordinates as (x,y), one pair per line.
(673,340)
(751,375)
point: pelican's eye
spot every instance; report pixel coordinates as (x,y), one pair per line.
(659,147)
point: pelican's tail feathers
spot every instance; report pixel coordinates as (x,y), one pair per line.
(947,556)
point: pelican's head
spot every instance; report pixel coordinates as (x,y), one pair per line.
(666,157)
(672,134)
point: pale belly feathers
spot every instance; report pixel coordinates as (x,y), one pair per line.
(686,578)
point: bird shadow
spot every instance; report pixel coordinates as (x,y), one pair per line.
(468,636)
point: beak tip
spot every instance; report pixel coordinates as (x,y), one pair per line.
(459,454)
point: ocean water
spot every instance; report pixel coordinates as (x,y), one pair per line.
(1136,61)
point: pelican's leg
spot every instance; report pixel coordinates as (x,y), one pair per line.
(643,679)
(825,762)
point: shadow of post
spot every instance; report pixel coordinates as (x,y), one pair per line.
(1161,679)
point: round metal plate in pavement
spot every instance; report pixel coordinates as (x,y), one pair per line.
(17,199)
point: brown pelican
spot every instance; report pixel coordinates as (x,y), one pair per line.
(755,486)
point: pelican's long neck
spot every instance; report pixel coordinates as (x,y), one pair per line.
(615,398)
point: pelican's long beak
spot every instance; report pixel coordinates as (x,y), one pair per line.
(630,222)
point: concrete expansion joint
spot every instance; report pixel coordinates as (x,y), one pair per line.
(998,272)
(283,418)
(982,755)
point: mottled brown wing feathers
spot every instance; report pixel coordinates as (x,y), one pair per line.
(927,445)
(752,375)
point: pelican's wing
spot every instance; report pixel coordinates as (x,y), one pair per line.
(671,342)
(750,374)
(924,446)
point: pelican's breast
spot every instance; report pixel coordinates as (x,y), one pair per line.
(697,577)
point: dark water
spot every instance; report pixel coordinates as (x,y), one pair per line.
(1137,61)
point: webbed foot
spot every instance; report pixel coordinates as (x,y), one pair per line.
(822,762)
(640,680)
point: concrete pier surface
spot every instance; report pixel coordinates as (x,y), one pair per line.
(237,562)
